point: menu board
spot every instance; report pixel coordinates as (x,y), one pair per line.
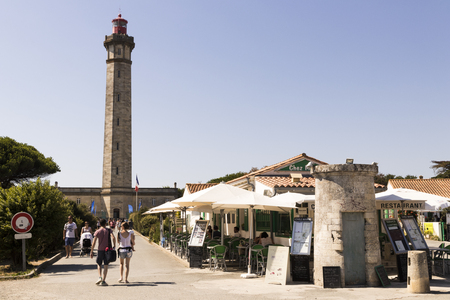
(278,266)
(396,236)
(199,233)
(301,236)
(413,232)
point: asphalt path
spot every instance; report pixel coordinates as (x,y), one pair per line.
(157,274)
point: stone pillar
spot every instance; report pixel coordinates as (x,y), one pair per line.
(346,188)
(418,280)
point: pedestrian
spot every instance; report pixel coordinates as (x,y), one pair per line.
(86,228)
(126,248)
(69,235)
(102,235)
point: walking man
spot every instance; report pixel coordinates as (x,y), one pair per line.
(102,235)
(69,234)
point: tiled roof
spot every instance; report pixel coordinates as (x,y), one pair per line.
(196,187)
(277,165)
(284,181)
(440,187)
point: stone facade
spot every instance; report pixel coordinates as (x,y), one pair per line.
(149,197)
(342,189)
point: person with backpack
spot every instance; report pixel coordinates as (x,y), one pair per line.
(102,235)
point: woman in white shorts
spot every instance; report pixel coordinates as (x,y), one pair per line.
(126,248)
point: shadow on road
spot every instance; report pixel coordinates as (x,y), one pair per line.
(69,268)
(145,283)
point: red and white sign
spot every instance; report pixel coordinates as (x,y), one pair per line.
(22,222)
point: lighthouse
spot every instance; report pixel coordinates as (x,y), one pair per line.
(117,178)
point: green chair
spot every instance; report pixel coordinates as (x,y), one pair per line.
(255,253)
(234,253)
(261,261)
(217,255)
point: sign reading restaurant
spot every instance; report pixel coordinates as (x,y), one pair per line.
(407,205)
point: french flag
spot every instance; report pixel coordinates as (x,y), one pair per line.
(137,184)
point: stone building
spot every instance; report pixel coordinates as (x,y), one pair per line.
(112,200)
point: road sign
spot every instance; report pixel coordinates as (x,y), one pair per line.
(22,236)
(22,222)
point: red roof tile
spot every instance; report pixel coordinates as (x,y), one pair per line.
(196,187)
(284,181)
(277,165)
(440,187)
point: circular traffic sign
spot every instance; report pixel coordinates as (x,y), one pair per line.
(22,222)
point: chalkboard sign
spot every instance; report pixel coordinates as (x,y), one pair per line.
(195,257)
(396,236)
(300,268)
(331,277)
(199,233)
(382,275)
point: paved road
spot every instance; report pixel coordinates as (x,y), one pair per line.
(157,274)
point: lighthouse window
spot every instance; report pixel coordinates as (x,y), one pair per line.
(117,121)
(117,170)
(117,146)
(119,51)
(118,97)
(118,73)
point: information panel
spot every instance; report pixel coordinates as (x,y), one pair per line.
(413,233)
(301,236)
(396,236)
(199,233)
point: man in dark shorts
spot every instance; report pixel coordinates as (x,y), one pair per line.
(102,235)
(70,233)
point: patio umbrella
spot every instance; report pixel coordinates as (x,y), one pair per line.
(289,200)
(432,202)
(210,195)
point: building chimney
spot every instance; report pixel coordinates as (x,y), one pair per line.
(56,184)
(420,177)
(175,185)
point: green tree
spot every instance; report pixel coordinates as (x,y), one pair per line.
(20,161)
(49,209)
(441,168)
(227,177)
(380,178)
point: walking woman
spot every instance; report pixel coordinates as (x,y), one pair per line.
(126,248)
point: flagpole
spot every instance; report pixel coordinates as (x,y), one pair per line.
(136,201)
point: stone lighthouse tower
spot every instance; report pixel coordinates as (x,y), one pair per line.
(117,179)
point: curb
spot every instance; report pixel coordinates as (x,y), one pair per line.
(39,268)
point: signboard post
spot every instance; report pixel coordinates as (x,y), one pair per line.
(21,223)
(400,246)
(301,249)
(196,243)
(278,266)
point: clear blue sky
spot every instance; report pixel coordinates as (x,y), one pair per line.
(223,86)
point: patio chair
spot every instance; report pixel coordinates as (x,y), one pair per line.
(217,255)
(255,253)
(234,253)
(261,261)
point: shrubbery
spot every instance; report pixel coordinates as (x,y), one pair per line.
(49,209)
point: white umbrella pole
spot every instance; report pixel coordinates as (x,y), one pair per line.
(250,242)
(222,225)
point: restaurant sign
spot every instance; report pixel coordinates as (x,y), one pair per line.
(298,166)
(398,205)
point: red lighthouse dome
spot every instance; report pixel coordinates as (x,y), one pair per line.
(120,25)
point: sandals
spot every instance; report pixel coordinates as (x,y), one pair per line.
(120,280)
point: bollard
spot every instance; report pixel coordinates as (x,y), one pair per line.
(418,280)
